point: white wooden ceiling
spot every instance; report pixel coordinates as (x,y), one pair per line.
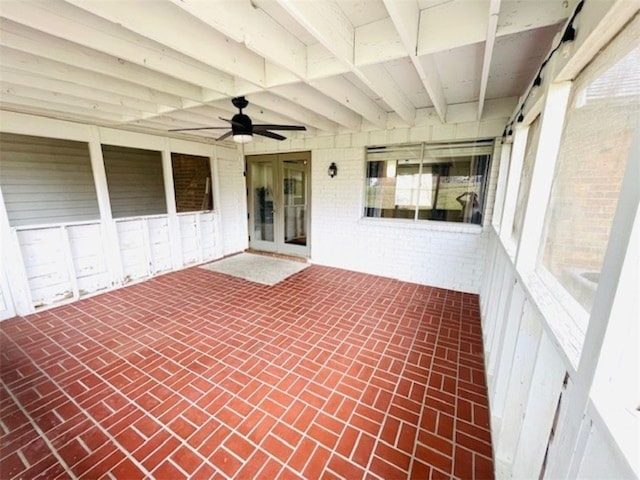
(334,66)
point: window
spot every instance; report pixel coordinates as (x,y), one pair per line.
(191,182)
(45,180)
(135,181)
(445,182)
(595,148)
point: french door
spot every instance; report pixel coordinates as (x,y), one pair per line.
(278,200)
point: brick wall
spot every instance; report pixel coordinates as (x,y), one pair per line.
(446,255)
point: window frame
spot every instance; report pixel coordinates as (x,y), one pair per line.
(482,143)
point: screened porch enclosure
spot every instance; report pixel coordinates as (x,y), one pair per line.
(468,202)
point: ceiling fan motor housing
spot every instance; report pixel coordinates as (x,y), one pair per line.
(241,124)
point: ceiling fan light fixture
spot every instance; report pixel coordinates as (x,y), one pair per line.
(242,138)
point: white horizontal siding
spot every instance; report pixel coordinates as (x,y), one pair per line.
(135,181)
(46,180)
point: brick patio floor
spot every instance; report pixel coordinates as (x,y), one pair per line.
(194,374)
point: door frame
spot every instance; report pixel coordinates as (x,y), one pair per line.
(279,245)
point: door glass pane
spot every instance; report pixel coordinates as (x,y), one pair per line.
(263,208)
(295,202)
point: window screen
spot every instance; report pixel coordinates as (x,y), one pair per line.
(192,182)
(598,132)
(46,180)
(135,181)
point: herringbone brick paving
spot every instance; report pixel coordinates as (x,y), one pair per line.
(194,374)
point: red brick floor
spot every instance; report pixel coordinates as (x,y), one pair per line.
(329,374)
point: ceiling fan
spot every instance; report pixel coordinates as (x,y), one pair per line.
(242,128)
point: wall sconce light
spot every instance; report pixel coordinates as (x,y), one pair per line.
(333,170)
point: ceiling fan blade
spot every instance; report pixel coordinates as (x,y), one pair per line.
(228,134)
(197,128)
(268,126)
(266,133)
(231,122)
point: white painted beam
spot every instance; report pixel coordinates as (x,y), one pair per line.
(405,16)
(451,25)
(28,40)
(16,77)
(314,100)
(169,26)
(329,25)
(57,110)
(380,81)
(15,89)
(321,63)
(346,93)
(33,65)
(379,41)
(251,26)
(294,111)
(494,12)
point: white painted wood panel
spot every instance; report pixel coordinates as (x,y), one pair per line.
(207,236)
(134,251)
(529,401)
(159,244)
(507,422)
(189,237)
(87,247)
(601,458)
(7,309)
(63,262)
(47,271)
(542,402)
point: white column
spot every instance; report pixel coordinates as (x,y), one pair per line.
(503,172)
(18,295)
(217,202)
(111,244)
(551,123)
(511,193)
(172,216)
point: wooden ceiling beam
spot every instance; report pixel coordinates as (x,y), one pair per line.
(9,101)
(33,64)
(311,98)
(492,28)
(405,16)
(343,91)
(48,96)
(330,26)
(169,28)
(23,37)
(294,111)
(252,27)
(17,77)
(74,30)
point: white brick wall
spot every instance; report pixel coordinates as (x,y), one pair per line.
(440,254)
